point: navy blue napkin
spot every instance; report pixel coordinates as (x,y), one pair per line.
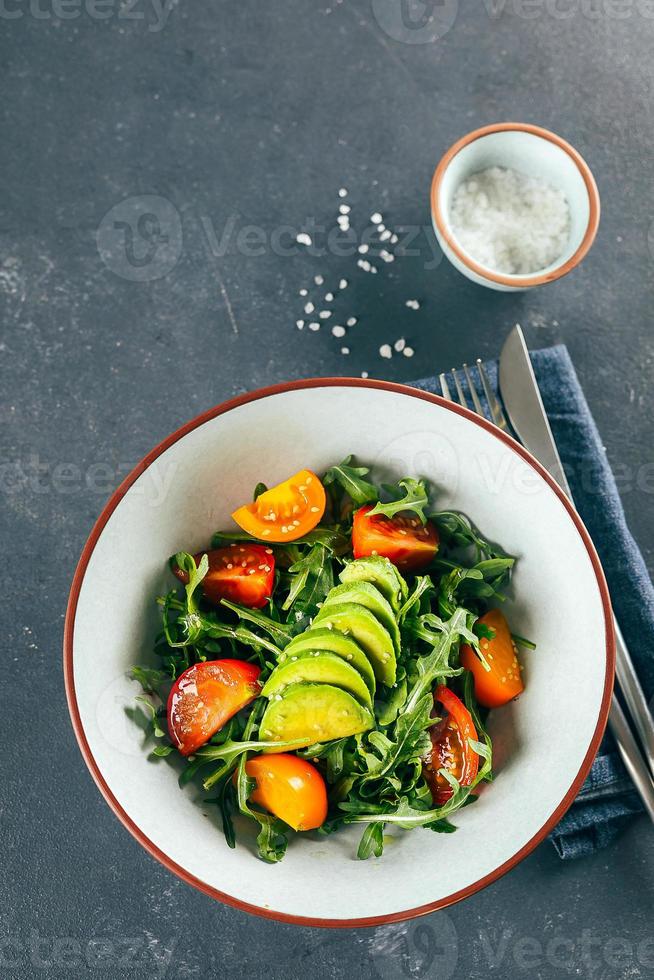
(607,798)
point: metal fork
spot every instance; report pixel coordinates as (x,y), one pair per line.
(627,744)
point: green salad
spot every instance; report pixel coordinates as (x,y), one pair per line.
(332,660)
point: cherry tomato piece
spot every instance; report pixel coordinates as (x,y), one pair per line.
(285,512)
(408,543)
(290,788)
(450,748)
(243,573)
(502,682)
(205,697)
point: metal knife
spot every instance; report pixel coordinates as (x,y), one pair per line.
(524,407)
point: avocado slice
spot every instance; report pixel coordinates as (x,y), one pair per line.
(373,638)
(333,642)
(321,667)
(308,713)
(366,595)
(380,572)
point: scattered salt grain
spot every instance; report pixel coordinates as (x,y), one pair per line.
(385,235)
(413,304)
(400,344)
(344,208)
(329,297)
(342,192)
(318,280)
(510,222)
(325,314)
(394,239)
(338,331)
(343,284)
(386,256)
(314,326)
(299,324)
(376,218)
(352,321)
(408,352)
(303,239)
(304,292)
(363,249)
(345,350)
(385,351)
(309,307)
(364,374)
(363,264)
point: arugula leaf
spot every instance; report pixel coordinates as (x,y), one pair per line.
(157,730)
(414,499)
(423,584)
(280,632)
(258,490)
(272,839)
(350,478)
(150,679)
(312,576)
(372,841)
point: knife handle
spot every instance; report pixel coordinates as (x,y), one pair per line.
(631,756)
(634,697)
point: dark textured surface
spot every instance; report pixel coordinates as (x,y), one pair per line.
(258,113)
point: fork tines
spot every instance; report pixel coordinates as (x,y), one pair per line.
(494,410)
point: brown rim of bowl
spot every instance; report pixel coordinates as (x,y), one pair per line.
(302,920)
(498,277)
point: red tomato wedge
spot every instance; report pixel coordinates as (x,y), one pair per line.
(290,788)
(450,749)
(502,682)
(205,697)
(285,512)
(243,573)
(408,543)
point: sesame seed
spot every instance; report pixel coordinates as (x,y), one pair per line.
(350,656)
(302,487)
(296,523)
(318,280)
(343,284)
(230,564)
(261,568)
(244,564)
(309,480)
(408,352)
(251,571)
(402,531)
(338,331)
(314,510)
(400,344)
(266,532)
(375,553)
(266,568)
(376,218)
(385,351)
(345,350)
(269,551)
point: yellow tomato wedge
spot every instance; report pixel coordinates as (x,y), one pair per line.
(285,512)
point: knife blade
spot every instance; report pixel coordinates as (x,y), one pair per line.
(527,415)
(524,406)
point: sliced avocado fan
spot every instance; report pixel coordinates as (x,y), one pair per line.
(309,713)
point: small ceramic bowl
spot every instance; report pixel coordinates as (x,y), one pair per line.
(533,151)
(186,488)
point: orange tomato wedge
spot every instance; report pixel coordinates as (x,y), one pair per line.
(285,512)
(502,682)
(290,788)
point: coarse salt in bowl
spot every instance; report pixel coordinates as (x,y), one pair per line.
(533,152)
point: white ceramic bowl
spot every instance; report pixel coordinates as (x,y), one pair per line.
(533,151)
(187,487)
